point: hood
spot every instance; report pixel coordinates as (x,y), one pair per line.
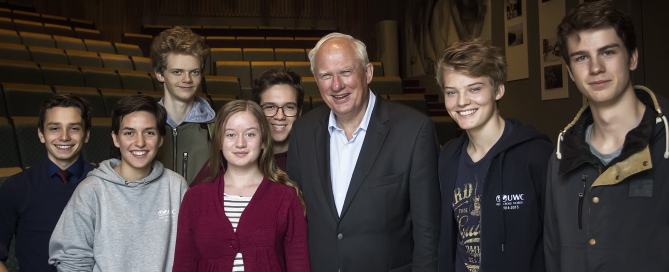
(200,113)
(106,172)
(571,134)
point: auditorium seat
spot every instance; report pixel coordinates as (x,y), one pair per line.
(247,31)
(83,58)
(223,85)
(446,128)
(29,26)
(101,78)
(378,68)
(128,49)
(306,42)
(5,11)
(15,71)
(259,67)
(416,101)
(136,80)
(310,86)
(386,85)
(31,150)
(68,43)
(218,100)
(220,41)
(99,146)
(226,54)
(316,101)
(3,105)
(249,42)
(157,85)
(280,42)
(61,74)
(302,68)
(157,96)
(9,36)
(56,20)
(258,54)
(4,174)
(306,104)
(59,30)
(239,69)
(217,30)
(154,30)
(112,95)
(8,149)
(270,30)
(115,61)
(26,15)
(142,40)
(79,23)
(90,94)
(289,54)
(25,99)
(36,39)
(90,34)
(99,46)
(11,51)
(48,55)
(6,23)
(142,64)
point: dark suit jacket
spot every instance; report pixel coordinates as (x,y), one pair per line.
(390,218)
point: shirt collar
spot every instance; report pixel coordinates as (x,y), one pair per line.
(332,122)
(77,168)
(201,112)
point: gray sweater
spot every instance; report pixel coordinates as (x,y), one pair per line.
(110,224)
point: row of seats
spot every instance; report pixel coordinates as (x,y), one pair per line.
(73,57)
(277,31)
(68,43)
(51,29)
(261,41)
(8,12)
(12,71)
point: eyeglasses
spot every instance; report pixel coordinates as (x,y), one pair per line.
(289,110)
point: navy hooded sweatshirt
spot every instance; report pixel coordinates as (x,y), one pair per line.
(512,202)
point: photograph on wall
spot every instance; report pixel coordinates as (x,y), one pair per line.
(553,77)
(514,8)
(515,35)
(550,49)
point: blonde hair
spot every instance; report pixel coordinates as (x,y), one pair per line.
(473,58)
(177,40)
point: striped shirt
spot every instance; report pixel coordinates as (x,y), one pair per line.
(234,206)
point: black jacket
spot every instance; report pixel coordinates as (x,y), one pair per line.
(511,240)
(616,217)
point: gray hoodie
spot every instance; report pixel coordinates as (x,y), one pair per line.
(111,224)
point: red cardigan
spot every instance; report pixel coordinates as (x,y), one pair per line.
(271,234)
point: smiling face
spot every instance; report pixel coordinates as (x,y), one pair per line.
(470,101)
(600,65)
(63,135)
(138,140)
(181,78)
(241,143)
(280,125)
(342,79)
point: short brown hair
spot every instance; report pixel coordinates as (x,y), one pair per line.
(596,15)
(138,102)
(178,40)
(66,101)
(474,58)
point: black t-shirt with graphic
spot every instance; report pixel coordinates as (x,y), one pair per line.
(467,205)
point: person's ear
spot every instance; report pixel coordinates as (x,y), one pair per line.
(40,134)
(500,91)
(116,144)
(159,76)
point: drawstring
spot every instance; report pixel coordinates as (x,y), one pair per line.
(503,230)
(666,134)
(557,150)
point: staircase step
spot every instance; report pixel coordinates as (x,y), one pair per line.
(432,97)
(436,105)
(410,83)
(437,112)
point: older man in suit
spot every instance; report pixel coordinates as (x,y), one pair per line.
(367,168)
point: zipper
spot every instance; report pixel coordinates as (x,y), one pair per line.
(580,203)
(184,166)
(174,147)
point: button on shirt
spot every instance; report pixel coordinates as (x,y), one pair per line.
(344,153)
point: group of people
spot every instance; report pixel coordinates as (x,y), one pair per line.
(358,184)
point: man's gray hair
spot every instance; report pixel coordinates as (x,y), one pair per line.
(359,46)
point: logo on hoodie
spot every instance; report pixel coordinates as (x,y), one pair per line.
(510,202)
(166,215)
